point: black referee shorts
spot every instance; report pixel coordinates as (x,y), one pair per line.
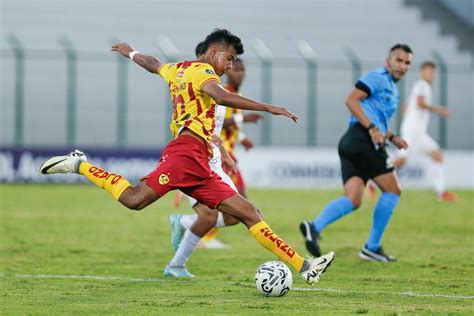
(359,156)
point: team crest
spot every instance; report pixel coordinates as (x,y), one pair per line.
(210,72)
(163,179)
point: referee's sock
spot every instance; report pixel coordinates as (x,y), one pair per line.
(382,214)
(332,212)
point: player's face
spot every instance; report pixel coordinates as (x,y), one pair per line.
(428,73)
(237,74)
(222,58)
(398,63)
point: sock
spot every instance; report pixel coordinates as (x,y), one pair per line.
(382,214)
(113,183)
(438,177)
(187,220)
(332,212)
(211,234)
(185,249)
(220,220)
(265,237)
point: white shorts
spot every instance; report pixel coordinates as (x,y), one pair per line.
(418,141)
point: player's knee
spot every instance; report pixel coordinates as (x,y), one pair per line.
(356,202)
(131,200)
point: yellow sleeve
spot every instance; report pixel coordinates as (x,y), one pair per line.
(167,71)
(203,74)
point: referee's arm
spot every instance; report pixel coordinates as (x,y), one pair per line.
(353,103)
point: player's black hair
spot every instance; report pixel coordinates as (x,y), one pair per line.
(221,36)
(405,47)
(199,49)
(427,63)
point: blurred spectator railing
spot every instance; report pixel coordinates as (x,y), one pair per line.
(265,58)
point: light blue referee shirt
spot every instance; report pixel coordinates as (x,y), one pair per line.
(382,100)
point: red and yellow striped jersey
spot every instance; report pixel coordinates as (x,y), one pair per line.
(230,133)
(192,108)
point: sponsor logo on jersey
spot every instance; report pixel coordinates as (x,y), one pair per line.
(209,71)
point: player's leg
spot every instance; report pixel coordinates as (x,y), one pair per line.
(134,198)
(205,221)
(430,146)
(389,184)
(310,269)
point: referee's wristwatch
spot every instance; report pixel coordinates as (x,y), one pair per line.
(371,125)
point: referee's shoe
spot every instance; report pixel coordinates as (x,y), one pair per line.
(375,256)
(311,236)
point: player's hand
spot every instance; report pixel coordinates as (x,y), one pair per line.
(444,112)
(252,118)
(123,48)
(229,164)
(399,142)
(247,143)
(377,137)
(277,110)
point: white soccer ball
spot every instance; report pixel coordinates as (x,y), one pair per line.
(273,278)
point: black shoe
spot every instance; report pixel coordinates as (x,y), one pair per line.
(311,236)
(377,256)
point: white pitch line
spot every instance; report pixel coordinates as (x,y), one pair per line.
(328,290)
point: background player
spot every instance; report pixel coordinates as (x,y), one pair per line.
(195,89)
(232,133)
(363,155)
(414,128)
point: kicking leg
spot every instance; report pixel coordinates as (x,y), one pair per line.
(135,198)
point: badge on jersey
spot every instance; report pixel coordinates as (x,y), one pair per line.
(209,71)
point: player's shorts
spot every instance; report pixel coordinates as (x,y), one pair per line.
(184,165)
(359,156)
(418,141)
(216,166)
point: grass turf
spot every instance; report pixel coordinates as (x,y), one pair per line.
(78,230)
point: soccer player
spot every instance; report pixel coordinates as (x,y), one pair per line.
(363,156)
(232,133)
(414,128)
(195,89)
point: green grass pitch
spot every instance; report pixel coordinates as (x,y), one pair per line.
(71,249)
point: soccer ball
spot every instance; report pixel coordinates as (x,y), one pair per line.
(273,278)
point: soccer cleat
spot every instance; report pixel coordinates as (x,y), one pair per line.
(63,164)
(213,244)
(375,256)
(447,196)
(317,266)
(177,272)
(177,231)
(311,236)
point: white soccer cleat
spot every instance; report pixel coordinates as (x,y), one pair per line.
(317,267)
(63,164)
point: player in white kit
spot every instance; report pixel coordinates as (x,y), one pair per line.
(414,128)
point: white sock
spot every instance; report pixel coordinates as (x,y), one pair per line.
(220,220)
(187,220)
(438,177)
(185,249)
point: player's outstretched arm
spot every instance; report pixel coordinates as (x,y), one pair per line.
(150,63)
(435,109)
(223,97)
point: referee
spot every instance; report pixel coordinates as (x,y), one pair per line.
(363,156)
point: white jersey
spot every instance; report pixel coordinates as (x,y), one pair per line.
(219,117)
(417,118)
